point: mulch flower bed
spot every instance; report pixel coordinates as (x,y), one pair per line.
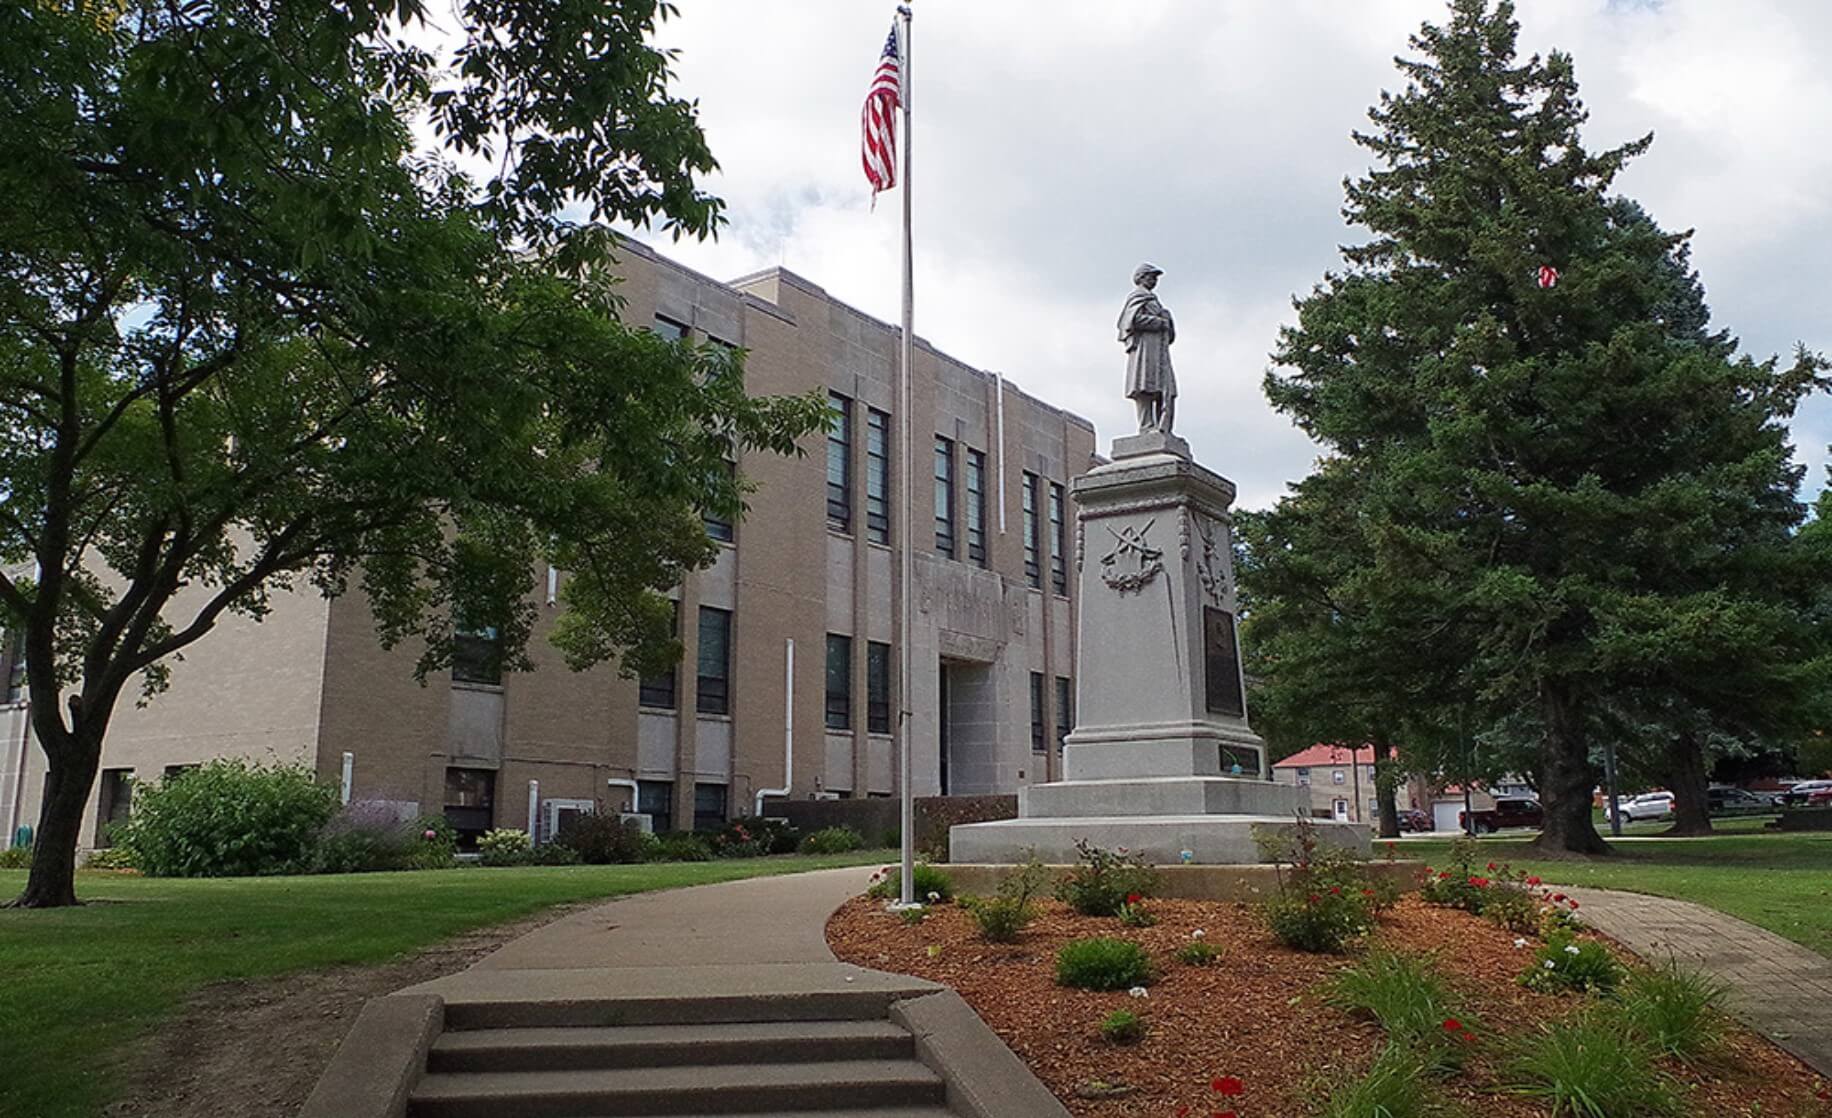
(1250,1033)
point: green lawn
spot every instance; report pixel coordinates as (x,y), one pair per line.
(77,984)
(1782,882)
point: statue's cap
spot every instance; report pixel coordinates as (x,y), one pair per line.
(1146,269)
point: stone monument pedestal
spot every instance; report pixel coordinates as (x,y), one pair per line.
(1162,761)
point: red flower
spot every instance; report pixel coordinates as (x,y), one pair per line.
(1532,881)
(1574,904)
(1335,890)
(1491,865)
(1443,874)
(1558,896)
(1183,1112)
(1452,1025)
(1133,898)
(1367,892)
(1229,1086)
(1314,898)
(1479,882)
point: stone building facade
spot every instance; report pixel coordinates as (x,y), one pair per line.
(813,566)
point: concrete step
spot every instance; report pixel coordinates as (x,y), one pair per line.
(540,1049)
(836,1086)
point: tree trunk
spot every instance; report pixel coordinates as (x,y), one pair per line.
(1690,785)
(1386,791)
(70,773)
(1567,780)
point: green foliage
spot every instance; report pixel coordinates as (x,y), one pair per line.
(371,837)
(1406,996)
(506,846)
(1103,963)
(832,840)
(1531,500)
(1002,918)
(1134,914)
(753,837)
(1455,885)
(1321,923)
(106,858)
(913,915)
(553,854)
(1513,907)
(15,858)
(1813,757)
(1198,953)
(1102,880)
(1679,1012)
(290,349)
(1590,1066)
(679,847)
(602,840)
(1122,1026)
(1394,1086)
(931,883)
(229,818)
(1564,963)
(1325,896)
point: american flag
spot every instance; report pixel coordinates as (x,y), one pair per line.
(877,135)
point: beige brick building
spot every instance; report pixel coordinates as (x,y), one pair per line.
(813,566)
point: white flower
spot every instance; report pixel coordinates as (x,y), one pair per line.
(1550,965)
(1520,942)
(1138,992)
(934,897)
(1571,949)
(1198,934)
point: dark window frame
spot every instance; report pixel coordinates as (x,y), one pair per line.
(877,476)
(839,682)
(717,526)
(662,692)
(1039,735)
(877,687)
(114,803)
(1059,540)
(707,817)
(648,792)
(839,462)
(946,539)
(1033,538)
(477,655)
(1065,710)
(975,487)
(712,689)
(672,329)
(469,819)
(12,665)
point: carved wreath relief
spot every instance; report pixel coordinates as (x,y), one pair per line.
(1211,572)
(1133,562)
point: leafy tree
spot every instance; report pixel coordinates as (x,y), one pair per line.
(1814,756)
(1538,495)
(252,340)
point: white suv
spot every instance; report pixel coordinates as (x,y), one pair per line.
(1654,805)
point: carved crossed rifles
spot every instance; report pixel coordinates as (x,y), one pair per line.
(1130,543)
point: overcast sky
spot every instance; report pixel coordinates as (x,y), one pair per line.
(1059,144)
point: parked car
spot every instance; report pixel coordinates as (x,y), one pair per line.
(1509,812)
(1652,805)
(1414,821)
(1810,793)
(1736,801)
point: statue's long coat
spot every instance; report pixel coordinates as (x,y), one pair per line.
(1147,330)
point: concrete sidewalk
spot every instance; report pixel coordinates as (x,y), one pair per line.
(1779,987)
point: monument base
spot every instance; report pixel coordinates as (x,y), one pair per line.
(1160,839)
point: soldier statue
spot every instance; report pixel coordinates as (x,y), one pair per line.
(1146,330)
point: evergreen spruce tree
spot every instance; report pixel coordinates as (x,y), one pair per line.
(1538,493)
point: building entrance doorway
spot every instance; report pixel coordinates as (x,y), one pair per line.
(968,741)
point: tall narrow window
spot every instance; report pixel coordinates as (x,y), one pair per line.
(1033,540)
(839,462)
(658,690)
(114,804)
(719,525)
(839,682)
(714,686)
(12,666)
(877,476)
(1037,734)
(1065,710)
(976,506)
(470,803)
(944,496)
(655,799)
(477,655)
(877,687)
(709,802)
(1059,543)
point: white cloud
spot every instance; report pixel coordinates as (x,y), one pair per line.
(1059,144)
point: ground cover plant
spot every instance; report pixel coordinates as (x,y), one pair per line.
(82,982)
(1103,963)
(1105,881)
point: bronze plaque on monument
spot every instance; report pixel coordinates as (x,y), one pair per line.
(1221,663)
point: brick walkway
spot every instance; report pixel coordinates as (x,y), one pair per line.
(1778,986)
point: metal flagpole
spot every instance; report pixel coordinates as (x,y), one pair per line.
(906,722)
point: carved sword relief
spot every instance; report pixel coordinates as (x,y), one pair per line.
(1133,562)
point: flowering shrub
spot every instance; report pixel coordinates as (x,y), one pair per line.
(1123,1026)
(1564,963)
(1003,917)
(229,818)
(506,846)
(1322,923)
(887,883)
(753,838)
(1460,884)
(369,836)
(1102,963)
(1512,906)
(1326,895)
(832,840)
(1134,914)
(1100,884)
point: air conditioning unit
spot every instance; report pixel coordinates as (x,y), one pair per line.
(643,820)
(555,814)
(826,795)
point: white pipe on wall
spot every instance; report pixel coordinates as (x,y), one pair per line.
(349,774)
(619,782)
(788,728)
(534,810)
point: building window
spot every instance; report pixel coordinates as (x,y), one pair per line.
(1038,736)
(655,799)
(839,462)
(877,476)
(1033,540)
(658,690)
(709,806)
(839,682)
(477,655)
(470,803)
(718,526)
(173,772)
(12,665)
(1341,809)
(1065,710)
(1303,776)
(1336,776)
(877,687)
(1059,542)
(669,328)
(976,506)
(944,496)
(714,686)
(115,803)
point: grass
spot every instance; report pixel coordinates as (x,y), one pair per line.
(1590,1066)
(1781,881)
(78,984)
(1410,1001)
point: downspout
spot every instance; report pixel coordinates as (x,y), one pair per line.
(619,782)
(788,728)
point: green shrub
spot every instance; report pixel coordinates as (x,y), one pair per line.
(438,843)
(1198,953)
(553,854)
(1122,1026)
(229,818)
(1003,918)
(1591,1066)
(1394,1086)
(1103,963)
(931,884)
(1103,880)
(506,846)
(1410,1001)
(1134,914)
(1457,885)
(1511,906)
(110,858)
(678,847)
(604,840)
(913,915)
(1565,963)
(16,858)
(1679,1012)
(753,837)
(832,840)
(1320,923)
(368,837)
